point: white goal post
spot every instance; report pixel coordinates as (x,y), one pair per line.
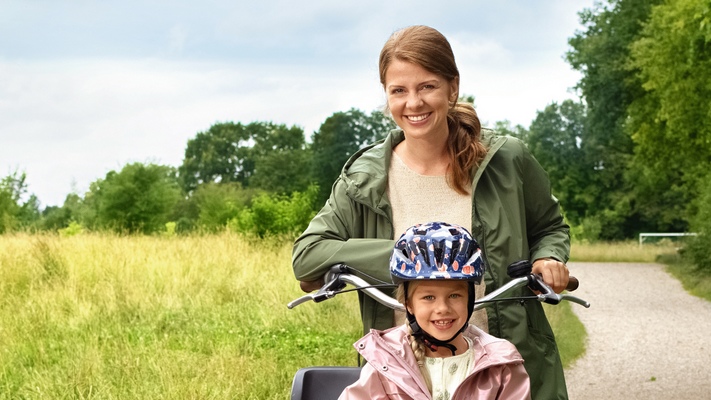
(643,236)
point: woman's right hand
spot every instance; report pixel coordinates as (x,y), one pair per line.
(310,286)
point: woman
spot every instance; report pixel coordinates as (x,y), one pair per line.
(440,165)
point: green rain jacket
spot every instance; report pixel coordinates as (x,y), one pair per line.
(514,217)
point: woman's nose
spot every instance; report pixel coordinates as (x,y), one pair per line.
(414,100)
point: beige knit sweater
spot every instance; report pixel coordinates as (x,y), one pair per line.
(418,199)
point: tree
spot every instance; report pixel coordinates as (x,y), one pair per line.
(219,155)
(138,199)
(14,212)
(697,248)
(556,138)
(505,128)
(73,210)
(339,137)
(281,159)
(609,86)
(670,119)
(260,153)
(218,203)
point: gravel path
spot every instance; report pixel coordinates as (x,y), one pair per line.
(647,337)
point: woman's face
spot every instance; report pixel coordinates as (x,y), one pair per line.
(439,306)
(419,99)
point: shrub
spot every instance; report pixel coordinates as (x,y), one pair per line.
(276,214)
(73,229)
(697,249)
(138,199)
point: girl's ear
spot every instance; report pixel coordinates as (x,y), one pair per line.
(409,308)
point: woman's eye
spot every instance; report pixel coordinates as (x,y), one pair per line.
(397,91)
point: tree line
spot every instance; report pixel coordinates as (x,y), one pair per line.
(260,177)
(632,154)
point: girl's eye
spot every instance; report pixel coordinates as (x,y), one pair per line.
(455,296)
(428,297)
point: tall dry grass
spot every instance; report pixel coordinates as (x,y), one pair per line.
(102,316)
(626,251)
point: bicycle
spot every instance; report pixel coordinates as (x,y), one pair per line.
(327,382)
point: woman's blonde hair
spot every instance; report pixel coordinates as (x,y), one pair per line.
(428,48)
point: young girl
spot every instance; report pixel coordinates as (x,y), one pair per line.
(436,354)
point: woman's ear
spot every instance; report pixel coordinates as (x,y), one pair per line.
(454,89)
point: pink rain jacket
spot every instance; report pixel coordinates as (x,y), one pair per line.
(392,371)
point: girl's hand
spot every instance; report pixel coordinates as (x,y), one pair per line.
(555,273)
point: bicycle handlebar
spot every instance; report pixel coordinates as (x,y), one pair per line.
(338,276)
(573,284)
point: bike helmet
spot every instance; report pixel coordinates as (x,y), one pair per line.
(436,250)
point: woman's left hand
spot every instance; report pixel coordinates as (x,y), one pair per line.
(555,273)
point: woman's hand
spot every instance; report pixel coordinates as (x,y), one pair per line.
(310,286)
(555,274)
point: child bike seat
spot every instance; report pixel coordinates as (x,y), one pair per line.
(322,383)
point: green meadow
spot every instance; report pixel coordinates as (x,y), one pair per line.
(105,316)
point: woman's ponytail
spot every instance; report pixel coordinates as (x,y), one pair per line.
(464,145)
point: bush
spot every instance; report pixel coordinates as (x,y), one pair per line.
(587,232)
(697,249)
(138,199)
(276,214)
(73,229)
(218,203)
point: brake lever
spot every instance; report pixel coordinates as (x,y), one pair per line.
(328,290)
(547,295)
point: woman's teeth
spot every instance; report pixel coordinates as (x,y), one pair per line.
(417,118)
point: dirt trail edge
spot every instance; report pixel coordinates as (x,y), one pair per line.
(647,337)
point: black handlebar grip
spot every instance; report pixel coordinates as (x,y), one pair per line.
(573,283)
(519,268)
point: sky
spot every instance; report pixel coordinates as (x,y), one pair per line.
(89,86)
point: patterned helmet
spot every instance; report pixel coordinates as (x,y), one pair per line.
(436,250)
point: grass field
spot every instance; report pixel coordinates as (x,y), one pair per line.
(109,317)
(100,316)
(628,251)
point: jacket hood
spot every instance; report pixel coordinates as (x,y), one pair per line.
(364,171)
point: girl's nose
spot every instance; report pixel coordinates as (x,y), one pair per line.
(442,306)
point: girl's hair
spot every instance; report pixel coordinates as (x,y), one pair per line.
(417,346)
(429,49)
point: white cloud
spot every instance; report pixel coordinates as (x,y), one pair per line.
(75,121)
(80,97)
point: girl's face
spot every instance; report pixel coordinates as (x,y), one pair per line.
(439,306)
(419,100)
